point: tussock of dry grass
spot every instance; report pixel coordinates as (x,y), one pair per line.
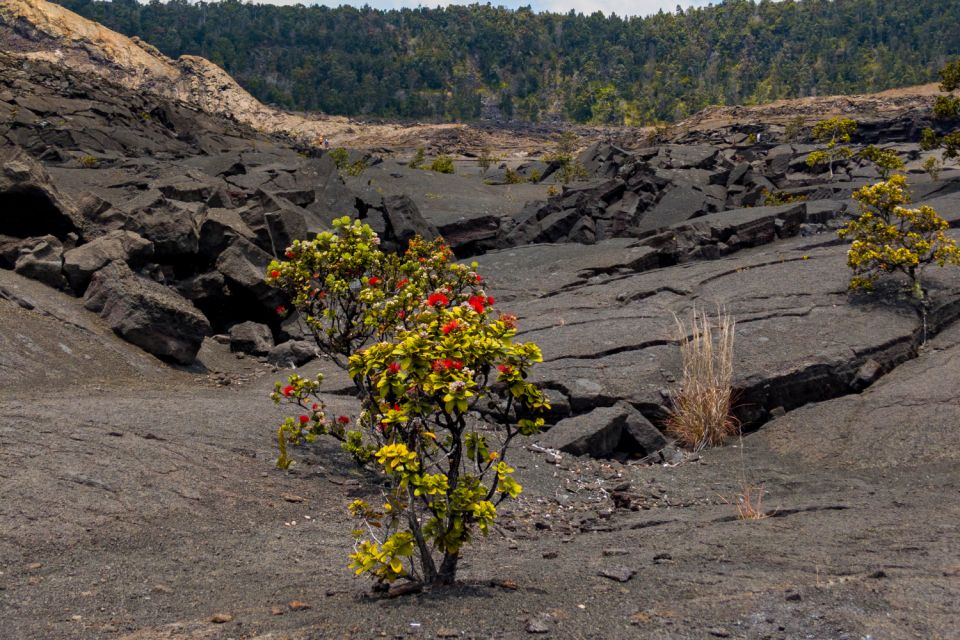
(701,414)
(750,503)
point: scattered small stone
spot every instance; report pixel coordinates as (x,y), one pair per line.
(34,566)
(640,617)
(793,596)
(550,555)
(276,611)
(505,584)
(879,573)
(612,551)
(290,497)
(221,618)
(719,632)
(161,588)
(297,605)
(777,412)
(444,632)
(540,525)
(662,558)
(618,573)
(538,624)
(116,434)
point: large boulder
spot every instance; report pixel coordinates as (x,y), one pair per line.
(146,313)
(605,431)
(81,263)
(244,265)
(251,337)
(169,224)
(43,262)
(30,205)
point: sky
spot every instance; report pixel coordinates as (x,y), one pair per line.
(620,7)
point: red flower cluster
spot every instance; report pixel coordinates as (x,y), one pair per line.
(450,326)
(438,300)
(504,368)
(402,283)
(281,310)
(289,253)
(304,419)
(343,420)
(287,390)
(490,301)
(394,368)
(477,303)
(374,281)
(447,363)
(478,277)
(274,274)
(401,314)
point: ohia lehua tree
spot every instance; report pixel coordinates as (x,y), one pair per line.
(442,386)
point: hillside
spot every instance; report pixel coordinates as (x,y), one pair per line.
(461,63)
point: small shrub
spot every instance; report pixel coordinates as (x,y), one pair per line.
(418,158)
(535,176)
(569,168)
(88,162)
(832,133)
(442,164)
(340,157)
(751,139)
(443,390)
(933,165)
(946,108)
(884,159)
(929,139)
(701,414)
(485,160)
(888,237)
(951,145)
(356,168)
(776,198)
(552,190)
(793,131)
(749,502)
(950,76)
(513,177)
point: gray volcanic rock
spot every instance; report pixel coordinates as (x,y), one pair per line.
(244,265)
(30,205)
(169,224)
(603,432)
(251,337)
(43,262)
(146,313)
(80,264)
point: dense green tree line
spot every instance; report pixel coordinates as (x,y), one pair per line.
(459,62)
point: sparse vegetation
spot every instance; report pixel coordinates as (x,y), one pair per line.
(946,108)
(885,160)
(513,177)
(569,168)
(749,502)
(775,198)
(88,161)
(702,409)
(418,158)
(340,157)
(834,133)
(428,356)
(442,164)
(928,139)
(356,168)
(794,130)
(933,165)
(485,159)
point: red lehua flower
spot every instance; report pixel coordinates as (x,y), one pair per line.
(304,419)
(478,277)
(281,310)
(401,314)
(394,367)
(477,303)
(315,407)
(450,326)
(456,364)
(343,420)
(504,368)
(438,300)
(373,281)
(287,390)
(274,274)
(396,407)
(447,363)
(437,365)
(490,300)
(402,283)
(289,253)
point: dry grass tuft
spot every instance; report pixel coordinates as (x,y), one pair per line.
(750,503)
(701,414)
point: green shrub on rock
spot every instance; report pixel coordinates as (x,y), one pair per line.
(442,164)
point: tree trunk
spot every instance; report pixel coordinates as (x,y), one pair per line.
(448,569)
